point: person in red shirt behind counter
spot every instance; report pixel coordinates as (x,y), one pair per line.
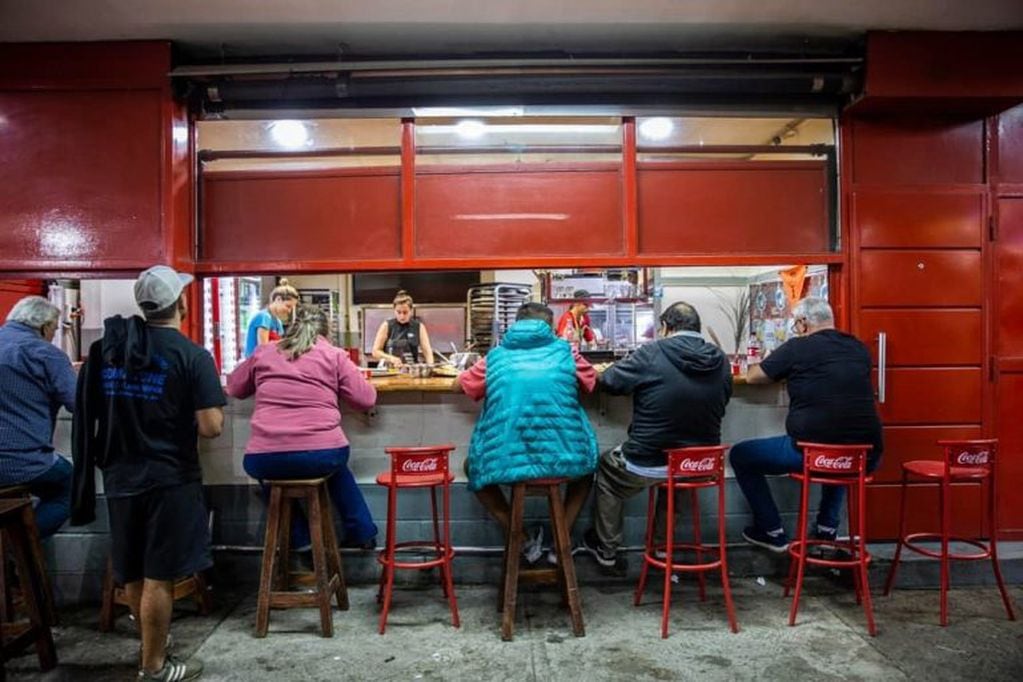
(574,325)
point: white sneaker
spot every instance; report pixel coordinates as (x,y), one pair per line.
(532,550)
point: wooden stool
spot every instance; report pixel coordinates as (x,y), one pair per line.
(563,574)
(327,576)
(113,594)
(16,519)
(21,492)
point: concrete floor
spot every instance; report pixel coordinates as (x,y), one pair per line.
(622,642)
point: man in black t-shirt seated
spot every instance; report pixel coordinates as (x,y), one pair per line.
(144,397)
(831,401)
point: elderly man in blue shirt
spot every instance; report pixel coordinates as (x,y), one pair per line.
(36,379)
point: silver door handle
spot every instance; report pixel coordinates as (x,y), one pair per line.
(882,365)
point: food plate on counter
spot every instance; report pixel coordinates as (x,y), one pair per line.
(383,372)
(445,371)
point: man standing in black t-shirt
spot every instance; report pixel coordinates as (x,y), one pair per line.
(147,393)
(831,401)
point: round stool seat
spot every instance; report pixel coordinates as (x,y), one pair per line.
(297,481)
(929,468)
(418,481)
(839,479)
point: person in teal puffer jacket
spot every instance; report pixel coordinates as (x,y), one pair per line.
(532,424)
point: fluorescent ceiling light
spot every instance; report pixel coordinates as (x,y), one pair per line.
(479,128)
(290,134)
(657,128)
(470,130)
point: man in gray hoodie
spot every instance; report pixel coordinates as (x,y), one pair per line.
(680,385)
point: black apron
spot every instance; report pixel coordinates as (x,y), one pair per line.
(403,340)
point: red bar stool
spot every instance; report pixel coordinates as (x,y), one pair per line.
(689,469)
(844,465)
(418,467)
(965,461)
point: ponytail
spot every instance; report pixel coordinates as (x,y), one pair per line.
(309,325)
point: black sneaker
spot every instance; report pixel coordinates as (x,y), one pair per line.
(365,545)
(776,541)
(175,671)
(825,534)
(591,545)
(821,534)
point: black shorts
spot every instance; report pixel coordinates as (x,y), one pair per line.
(162,534)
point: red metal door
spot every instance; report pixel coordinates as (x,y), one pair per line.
(916,205)
(1008,320)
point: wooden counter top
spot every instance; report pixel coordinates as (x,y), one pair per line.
(407,383)
(402,382)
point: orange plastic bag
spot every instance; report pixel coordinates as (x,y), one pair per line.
(792,282)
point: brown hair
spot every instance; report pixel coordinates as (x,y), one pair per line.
(284,291)
(402,297)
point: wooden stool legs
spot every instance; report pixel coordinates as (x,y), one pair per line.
(275,578)
(564,574)
(113,595)
(17,521)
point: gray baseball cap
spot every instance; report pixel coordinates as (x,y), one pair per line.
(159,287)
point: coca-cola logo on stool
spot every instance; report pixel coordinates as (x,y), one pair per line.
(841,462)
(696,465)
(420,466)
(968,458)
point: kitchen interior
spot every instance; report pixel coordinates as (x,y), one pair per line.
(745,309)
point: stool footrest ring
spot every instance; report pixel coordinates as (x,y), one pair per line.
(796,552)
(909,542)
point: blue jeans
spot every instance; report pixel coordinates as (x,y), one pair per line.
(752,460)
(53,488)
(343,490)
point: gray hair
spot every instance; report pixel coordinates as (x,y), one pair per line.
(35,312)
(309,325)
(816,311)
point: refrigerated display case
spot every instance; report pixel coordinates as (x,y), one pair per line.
(229,303)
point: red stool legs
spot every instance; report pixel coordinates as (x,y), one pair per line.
(698,541)
(890,582)
(387,573)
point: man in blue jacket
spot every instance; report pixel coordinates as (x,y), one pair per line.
(532,425)
(680,385)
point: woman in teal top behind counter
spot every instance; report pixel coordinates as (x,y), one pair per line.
(268,324)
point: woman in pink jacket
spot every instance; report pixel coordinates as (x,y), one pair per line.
(299,383)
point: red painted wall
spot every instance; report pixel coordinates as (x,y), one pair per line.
(95,173)
(735,208)
(515,216)
(523,213)
(339,216)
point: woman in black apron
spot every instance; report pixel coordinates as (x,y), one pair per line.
(402,339)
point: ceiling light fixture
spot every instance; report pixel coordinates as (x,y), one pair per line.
(289,134)
(657,128)
(471,129)
(475,128)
